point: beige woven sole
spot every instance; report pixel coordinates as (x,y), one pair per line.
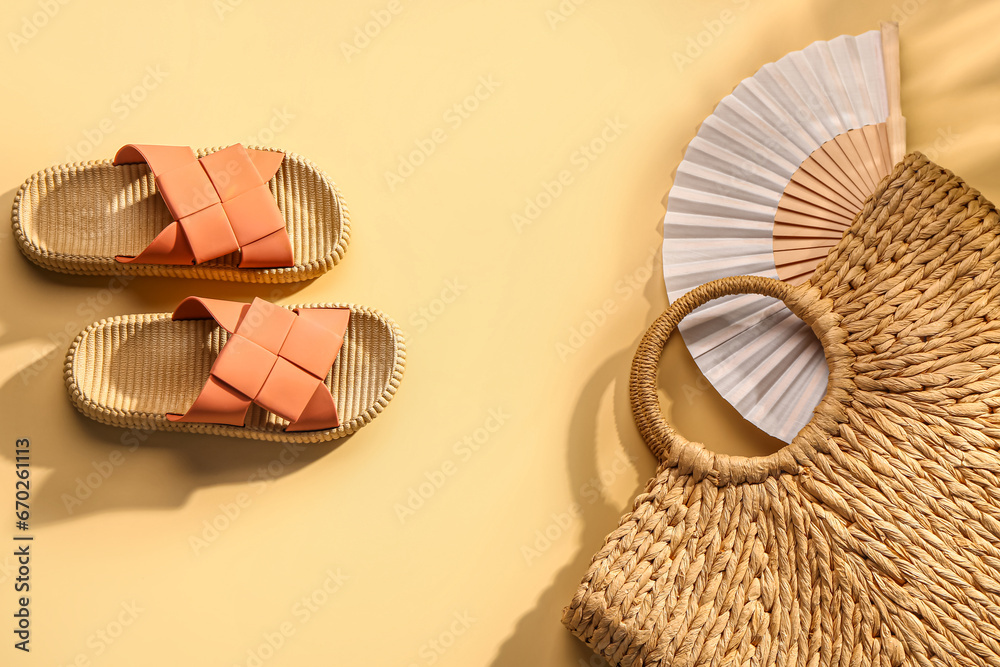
(131,370)
(74,218)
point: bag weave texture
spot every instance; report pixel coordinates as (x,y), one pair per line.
(873,538)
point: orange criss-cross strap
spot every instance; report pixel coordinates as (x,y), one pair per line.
(275,357)
(220,203)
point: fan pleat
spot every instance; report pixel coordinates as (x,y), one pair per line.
(825,198)
(696,226)
(754,354)
(787,257)
(697,178)
(816,239)
(700,272)
(835,161)
(720,158)
(821,166)
(771,369)
(871,136)
(695,201)
(714,324)
(805,180)
(860,159)
(780,121)
(746,123)
(811,211)
(803,376)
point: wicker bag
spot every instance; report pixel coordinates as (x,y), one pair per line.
(874,537)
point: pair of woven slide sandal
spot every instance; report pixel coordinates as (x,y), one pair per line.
(304,373)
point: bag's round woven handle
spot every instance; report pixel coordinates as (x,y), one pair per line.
(668,445)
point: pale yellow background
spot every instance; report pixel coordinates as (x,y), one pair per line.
(502,301)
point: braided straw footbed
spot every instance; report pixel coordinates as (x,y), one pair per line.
(131,370)
(874,537)
(74,218)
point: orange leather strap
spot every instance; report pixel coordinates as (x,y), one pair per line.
(275,357)
(220,204)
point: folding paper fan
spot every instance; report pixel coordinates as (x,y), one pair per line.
(769,184)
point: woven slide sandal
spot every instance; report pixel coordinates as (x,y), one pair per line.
(298,374)
(253,215)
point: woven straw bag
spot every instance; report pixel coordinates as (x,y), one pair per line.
(874,537)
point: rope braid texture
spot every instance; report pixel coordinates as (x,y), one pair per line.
(874,537)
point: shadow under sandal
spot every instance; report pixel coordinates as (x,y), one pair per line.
(254,215)
(297,374)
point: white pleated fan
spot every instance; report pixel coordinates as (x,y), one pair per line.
(769,184)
